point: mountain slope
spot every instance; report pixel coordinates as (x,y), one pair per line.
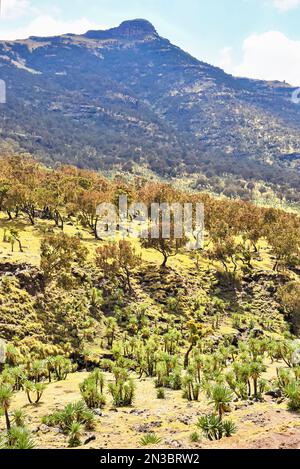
(127,95)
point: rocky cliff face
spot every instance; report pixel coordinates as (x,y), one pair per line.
(128,30)
(127,95)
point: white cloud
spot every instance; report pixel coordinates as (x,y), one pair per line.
(226,60)
(285,5)
(46,25)
(12,9)
(267,56)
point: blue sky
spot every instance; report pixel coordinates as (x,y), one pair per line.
(257,38)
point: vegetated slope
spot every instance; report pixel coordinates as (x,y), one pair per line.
(180,355)
(128,95)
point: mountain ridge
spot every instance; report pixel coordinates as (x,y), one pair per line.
(126,95)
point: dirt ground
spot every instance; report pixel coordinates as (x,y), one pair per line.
(260,425)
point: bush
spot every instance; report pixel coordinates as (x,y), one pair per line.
(195,437)
(36,389)
(75,435)
(73,413)
(123,389)
(92,390)
(150,439)
(19,438)
(211,427)
(161,393)
(62,367)
(229,428)
(19,418)
(292,391)
(214,428)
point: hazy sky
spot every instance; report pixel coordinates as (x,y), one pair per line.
(255,38)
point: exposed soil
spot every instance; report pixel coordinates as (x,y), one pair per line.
(260,425)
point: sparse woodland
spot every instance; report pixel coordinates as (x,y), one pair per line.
(138,326)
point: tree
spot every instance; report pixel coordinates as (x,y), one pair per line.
(256,370)
(167,246)
(59,253)
(227,252)
(15,236)
(111,328)
(283,236)
(5,401)
(221,397)
(118,258)
(290,296)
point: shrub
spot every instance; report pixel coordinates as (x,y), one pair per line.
(161,393)
(36,389)
(19,438)
(150,439)
(77,412)
(229,428)
(292,391)
(90,393)
(191,389)
(62,367)
(214,428)
(19,418)
(122,392)
(221,397)
(75,433)
(195,437)
(211,426)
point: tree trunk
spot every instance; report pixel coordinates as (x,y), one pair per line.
(186,358)
(8,426)
(165,261)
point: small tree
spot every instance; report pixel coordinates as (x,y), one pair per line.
(111,328)
(118,258)
(59,253)
(165,241)
(221,397)
(5,401)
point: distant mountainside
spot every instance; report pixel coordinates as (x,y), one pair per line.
(113,98)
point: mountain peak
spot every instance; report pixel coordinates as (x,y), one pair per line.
(131,29)
(136,27)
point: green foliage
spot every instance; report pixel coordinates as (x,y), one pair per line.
(19,438)
(292,392)
(122,392)
(161,393)
(73,413)
(19,418)
(92,390)
(75,433)
(214,428)
(221,397)
(151,439)
(211,426)
(34,391)
(62,367)
(195,437)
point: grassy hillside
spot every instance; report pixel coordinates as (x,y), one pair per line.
(199,353)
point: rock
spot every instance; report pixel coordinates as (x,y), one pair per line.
(136,412)
(275,393)
(173,443)
(57,430)
(44,428)
(184,419)
(98,412)
(35,430)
